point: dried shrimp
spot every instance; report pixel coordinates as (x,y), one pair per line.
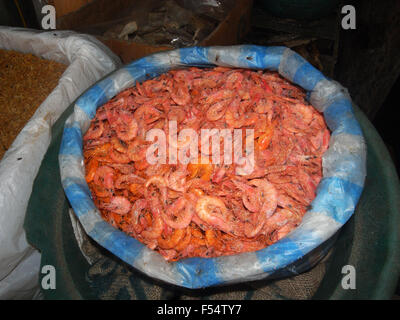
(210,204)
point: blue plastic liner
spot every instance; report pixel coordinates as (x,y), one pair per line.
(344,169)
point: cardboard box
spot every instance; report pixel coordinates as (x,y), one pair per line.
(228,32)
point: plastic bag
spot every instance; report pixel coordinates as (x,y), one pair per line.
(344,170)
(217,9)
(88,61)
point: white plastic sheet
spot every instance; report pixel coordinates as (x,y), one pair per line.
(88,60)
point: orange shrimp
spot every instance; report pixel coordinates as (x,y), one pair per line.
(170,242)
(198,242)
(98,151)
(183,243)
(91,169)
(201,169)
(141,165)
(156,229)
(119,145)
(137,149)
(265,139)
(119,157)
(100,191)
(207,209)
(213,239)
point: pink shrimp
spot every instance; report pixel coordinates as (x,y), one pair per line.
(180,143)
(95,131)
(89,144)
(295,191)
(137,149)
(264,106)
(249,198)
(202,209)
(218,175)
(152,87)
(282,232)
(147,114)
(281,218)
(180,94)
(325,141)
(104,176)
(101,114)
(127,130)
(298,118)
(287,202)
(250,118)
(179,214)
(216,111)
(119,145)
(262,202)
(177,114)
(184,76)
(119,157)
(320,141)
(161,183)
(204,83)
(138,207)
(141,89)
(213,211)
(118,205)
(234,80)
(122,168)
(177,180)
(268,196)
(125,180)
(168,254)
(306,184)
(220,95)
(233,116)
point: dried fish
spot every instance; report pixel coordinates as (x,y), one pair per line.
(25,82)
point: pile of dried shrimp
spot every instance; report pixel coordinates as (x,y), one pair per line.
(204,209)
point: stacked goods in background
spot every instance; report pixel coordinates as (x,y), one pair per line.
(133,29)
